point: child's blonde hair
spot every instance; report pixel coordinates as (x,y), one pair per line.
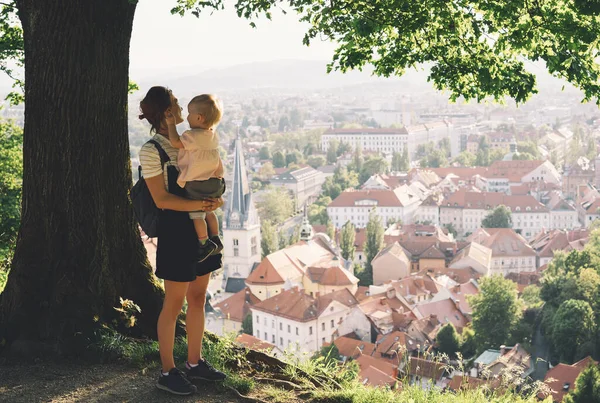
(208,106)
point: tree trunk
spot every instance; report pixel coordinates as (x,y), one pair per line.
(78,248)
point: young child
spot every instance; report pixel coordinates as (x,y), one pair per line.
(200,165)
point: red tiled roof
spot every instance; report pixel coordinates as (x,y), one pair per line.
(365,361)
(375,377)
(238,305)
(556,378)
(384,198)
(425,368)
(352,348)
(502,242)
(265,273)
(490,200)
(433,252)
(512,170)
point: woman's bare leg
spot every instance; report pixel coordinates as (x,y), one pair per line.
(194,319)
(174,296)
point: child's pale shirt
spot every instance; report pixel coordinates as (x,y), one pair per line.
(199,159)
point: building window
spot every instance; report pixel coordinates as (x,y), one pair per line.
(309,330)
(289,329)
(254,250)
(280,326)
(273,323)
(273,339)
(266,338)
(323,341)
(253,240)
(265,321)
(297,331)
(236,252)
(323,326)
(258,334)
(236,242)
(332,325)
(281,341)
(257,320)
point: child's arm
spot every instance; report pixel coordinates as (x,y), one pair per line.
(173,135)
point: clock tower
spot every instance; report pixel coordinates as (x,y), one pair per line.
(241,227)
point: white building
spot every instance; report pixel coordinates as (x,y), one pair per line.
(241,226)
(381,140)
(299,323)
(355,206)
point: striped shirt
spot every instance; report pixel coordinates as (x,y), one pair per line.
(150,158)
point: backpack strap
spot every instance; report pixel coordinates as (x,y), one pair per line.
(164,157)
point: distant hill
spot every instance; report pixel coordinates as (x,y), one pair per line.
(284,74)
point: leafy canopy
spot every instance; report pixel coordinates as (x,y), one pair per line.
(476,48)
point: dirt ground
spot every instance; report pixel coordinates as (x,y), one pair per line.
(76,382)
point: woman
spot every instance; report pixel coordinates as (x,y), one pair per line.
(177,254)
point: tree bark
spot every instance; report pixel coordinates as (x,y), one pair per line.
(78,248)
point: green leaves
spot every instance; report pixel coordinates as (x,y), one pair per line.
(476,48)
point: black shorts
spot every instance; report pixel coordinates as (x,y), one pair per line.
(178,245)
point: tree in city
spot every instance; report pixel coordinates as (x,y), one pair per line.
(444,146)
(269,240)
(276,205)
(448,340)
(373,165)
(284,240)
(247,327)
(294,157)
(11,178)
(266,171)
(77,54)
(278,160)
(468,346)
(284,123)
(435,159)
(332,152)
(451,229)
(586,388)
(396,162)
(262,122)
(500,217)
(347,238)
(343,148)
(295,235)
(405,160)
(574,326)
(317,212)
(496,311)
(357,159)
(296,119)
(330,230)
(264,153)
(316,161)
(466,159)
(373,245)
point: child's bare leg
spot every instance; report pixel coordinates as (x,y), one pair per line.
(213,223)
(201,229)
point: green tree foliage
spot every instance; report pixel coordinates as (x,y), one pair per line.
(264,153)
(284,123)
(262,122)
(247,325)
(266,171)
(373,165)
(499,218)
(317,212)
(296,119)
(444,145)
(496,311)
(279,160)
(276,205)
(435,159)
(332,152)
(343,148)
(269,240)
(529,147)
(466,159)
(468,347)
(448,340)
(330,354)
(341,180)
(573,327)
(531,296)
(316,161)
(294,157)
(331,230)
(357,159)
(587,387)
(451,229)
(373,244)
(347,238)
(11,179)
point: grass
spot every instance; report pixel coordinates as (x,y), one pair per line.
(338,384)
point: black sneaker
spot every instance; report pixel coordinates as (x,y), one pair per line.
(217,241)
(204,371)
(204,251)
(176,382)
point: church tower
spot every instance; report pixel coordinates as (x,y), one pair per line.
(241,224)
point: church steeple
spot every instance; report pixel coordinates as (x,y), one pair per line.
(239,211)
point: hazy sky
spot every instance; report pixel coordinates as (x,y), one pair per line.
(163,42)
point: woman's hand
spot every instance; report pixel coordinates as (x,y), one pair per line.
(210,204)
(170,117)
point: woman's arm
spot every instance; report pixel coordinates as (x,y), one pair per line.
(166,200)
(172,128)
